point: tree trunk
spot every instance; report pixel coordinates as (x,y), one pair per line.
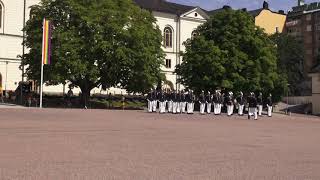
(85,96)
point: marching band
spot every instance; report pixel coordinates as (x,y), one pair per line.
(181,102)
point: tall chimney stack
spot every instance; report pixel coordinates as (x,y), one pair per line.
(301,2)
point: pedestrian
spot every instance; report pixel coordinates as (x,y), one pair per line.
(190,101)
(260,104)
(209,102)
(216,103)
(162,102)
(169,101)
(202,101)
(179,98)
(222,101)
(234,102)
(155,100)
(229,102)
(241,103)
(69,97)
(150,101)
(269,105)
(183,102)
(174,102)
(252,100)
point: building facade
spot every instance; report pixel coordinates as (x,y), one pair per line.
(177,23)
(303,22)
(315,76)
(13,15)
(272,22)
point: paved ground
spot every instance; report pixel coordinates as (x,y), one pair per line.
(100,145)
(9,106)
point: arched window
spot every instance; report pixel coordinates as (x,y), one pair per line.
(1,14)
(168,37)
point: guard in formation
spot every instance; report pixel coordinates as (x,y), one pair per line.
(178,102)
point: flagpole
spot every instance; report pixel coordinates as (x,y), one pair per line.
(43,47)
(41,84)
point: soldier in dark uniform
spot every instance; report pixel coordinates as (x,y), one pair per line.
(216,102)
(169,101)
(174,102)
(179,102)
(209,102)
(202,101)
(155,101)
(260,104)
(183,102)
(190,102)
(150,101)
(252,100)
(162,102)
(229,102)
(223,100)
(241,103)
(269,105)
(220,100)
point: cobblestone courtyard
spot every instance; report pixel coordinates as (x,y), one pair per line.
(99,145)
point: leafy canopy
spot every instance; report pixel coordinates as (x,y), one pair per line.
(230,52)
(290,53)
(96,43)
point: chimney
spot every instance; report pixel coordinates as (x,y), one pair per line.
(265,5)
(301,2)
(226,7)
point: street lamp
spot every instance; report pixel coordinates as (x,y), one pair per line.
(288,111)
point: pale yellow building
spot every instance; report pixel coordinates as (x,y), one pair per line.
(270,21)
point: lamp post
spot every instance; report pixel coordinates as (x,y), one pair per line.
(288,111)
(23,50)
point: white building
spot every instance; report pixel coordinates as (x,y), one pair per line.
(177,23)
(13,14)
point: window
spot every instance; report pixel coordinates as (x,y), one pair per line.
(308,17)
(277,30)
(168,63)
(309,51)
(167,37)
(195,14)
(1,11)
(309,28)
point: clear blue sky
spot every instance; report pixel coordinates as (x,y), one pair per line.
(237,4)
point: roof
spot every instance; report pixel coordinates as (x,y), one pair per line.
(256,12)
(213,12)
(164,6)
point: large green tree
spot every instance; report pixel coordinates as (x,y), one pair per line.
(290,52)
(98,43)
(230,52)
